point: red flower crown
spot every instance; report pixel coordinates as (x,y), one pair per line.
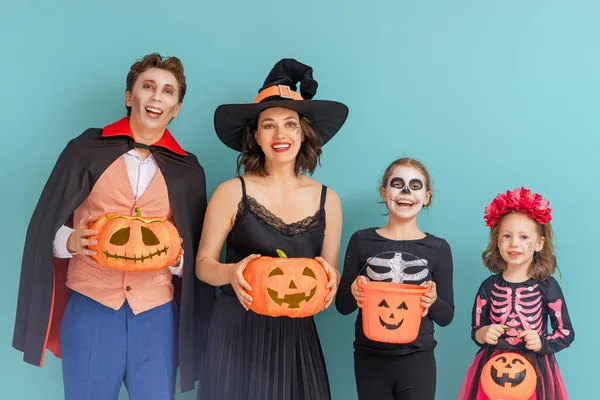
(520,200)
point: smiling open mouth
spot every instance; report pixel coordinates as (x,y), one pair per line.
(135,258)
(153,110)
(292,300)
(404,203)
(281,147)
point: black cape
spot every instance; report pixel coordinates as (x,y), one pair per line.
(78,168)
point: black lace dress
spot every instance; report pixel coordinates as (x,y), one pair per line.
(255,357)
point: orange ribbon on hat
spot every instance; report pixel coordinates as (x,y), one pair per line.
(283,91)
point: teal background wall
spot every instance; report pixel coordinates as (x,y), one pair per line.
(489,95)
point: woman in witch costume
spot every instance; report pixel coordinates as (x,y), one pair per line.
(274,205)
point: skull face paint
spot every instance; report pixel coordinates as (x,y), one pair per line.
(414,184)
(405,193)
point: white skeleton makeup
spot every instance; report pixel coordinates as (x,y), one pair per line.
(406,194)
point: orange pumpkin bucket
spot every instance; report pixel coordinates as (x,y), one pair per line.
(508,376)
(288,287)
(391,312)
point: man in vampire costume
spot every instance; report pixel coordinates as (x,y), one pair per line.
(112,326)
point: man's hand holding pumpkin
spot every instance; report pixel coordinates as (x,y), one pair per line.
(79,241)
(177,267)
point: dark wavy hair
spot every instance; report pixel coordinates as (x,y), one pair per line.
(252,159)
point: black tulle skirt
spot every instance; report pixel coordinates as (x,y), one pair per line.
(254,357)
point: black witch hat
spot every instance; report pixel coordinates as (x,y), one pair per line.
(279,90)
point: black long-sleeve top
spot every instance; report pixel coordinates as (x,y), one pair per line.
(420,260)
(524,306)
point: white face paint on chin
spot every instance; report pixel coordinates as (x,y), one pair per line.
(405,194)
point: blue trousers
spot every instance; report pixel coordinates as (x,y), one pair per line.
(103,348)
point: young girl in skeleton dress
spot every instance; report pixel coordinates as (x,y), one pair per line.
(399,252)
(512,307)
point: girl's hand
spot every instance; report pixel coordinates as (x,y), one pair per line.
(357,291)
(532,340)
(334,280)
(490,333)
(429,298)
(239,284)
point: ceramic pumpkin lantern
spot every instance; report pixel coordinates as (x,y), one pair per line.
(290,287)
(391,312)
(134,243)
(508,376)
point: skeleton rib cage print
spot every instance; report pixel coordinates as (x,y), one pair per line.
(402,267)
(520,308)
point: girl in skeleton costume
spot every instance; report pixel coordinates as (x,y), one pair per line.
(512,307)
(399,252)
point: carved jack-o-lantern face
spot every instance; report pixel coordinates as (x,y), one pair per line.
(508,376)
(391,312)
(393,316)
(292,287)
(133,243)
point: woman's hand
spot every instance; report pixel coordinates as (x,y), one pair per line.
(239,284)
(334,280)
